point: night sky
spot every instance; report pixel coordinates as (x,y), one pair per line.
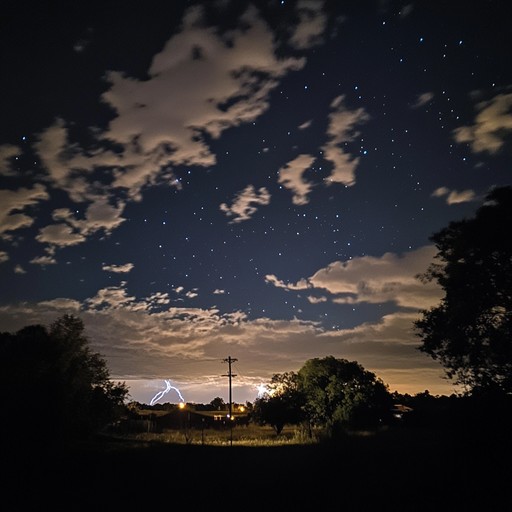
(255,180)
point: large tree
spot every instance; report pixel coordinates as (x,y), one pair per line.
(340,393)
(469,332)
(54,386)
(328,393)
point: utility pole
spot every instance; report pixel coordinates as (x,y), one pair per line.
(230,360)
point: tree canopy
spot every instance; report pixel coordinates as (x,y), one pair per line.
(56,388)
(469,332)
(325,392)
(342,393)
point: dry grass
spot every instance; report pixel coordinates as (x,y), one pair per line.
(251,435)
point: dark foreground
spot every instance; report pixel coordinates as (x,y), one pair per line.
(399,470)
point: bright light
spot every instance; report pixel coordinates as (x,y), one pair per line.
(262,389)
(181,405)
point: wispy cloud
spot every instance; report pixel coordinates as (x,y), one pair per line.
(343,127)
(493,123)
(389,278)
(423,99)
(119,269)
(291,176)
(454,196)
(15,207)
(244,206)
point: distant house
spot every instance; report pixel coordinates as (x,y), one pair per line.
(189,417)
(181,416)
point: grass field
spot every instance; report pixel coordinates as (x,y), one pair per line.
(395,469)
(250,435)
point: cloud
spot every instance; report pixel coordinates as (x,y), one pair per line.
(391,277)
(423,99)
(291,177)
(43,260)
(118,269)
(115,297)
(101,215)
(453,196)
(341,129)
(299,285)
(316,300)
(14,202)
(376,280)
(242,207)
(69,305)
(7,153)
(493,123)
(189,294)
(406,10)
(158,299)
(305,125)
(312,24)
(3,256)
(60,235)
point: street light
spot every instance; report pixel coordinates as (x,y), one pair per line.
(182,406)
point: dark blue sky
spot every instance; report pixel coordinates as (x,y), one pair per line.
(255,179)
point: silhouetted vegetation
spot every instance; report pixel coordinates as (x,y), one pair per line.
(470,331)
(56,389)
(328,393)
(282,404)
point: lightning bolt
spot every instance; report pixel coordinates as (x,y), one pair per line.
(168,388)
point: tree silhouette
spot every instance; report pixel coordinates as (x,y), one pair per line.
(329,393)
(469,332)
(341,393)
(281,404)
(56,388)
(218,403)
